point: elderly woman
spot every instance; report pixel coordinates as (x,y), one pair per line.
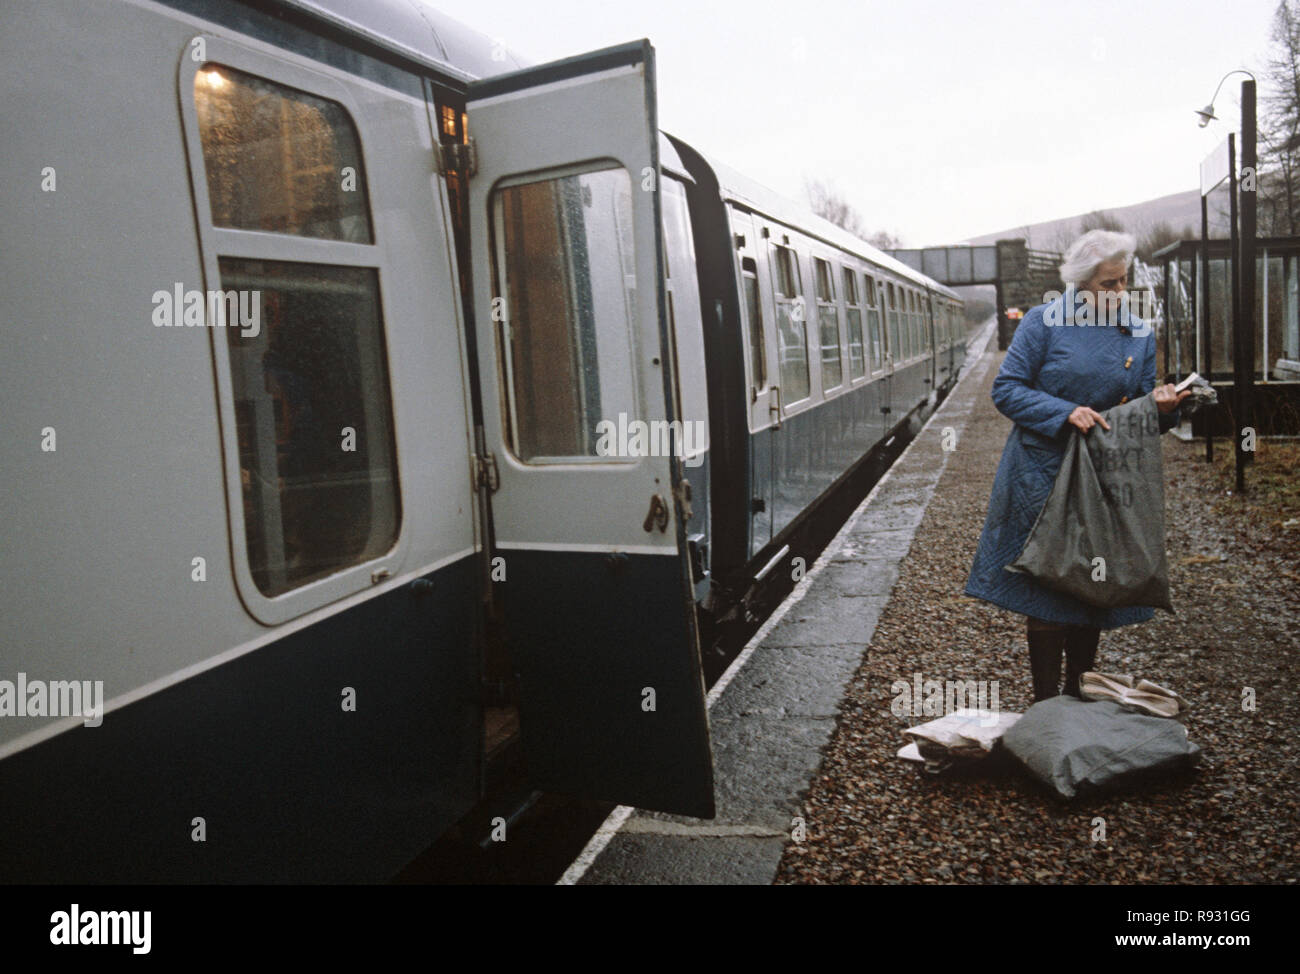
(1069,359)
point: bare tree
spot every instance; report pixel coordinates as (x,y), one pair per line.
(1279,129)
(826,200)
(1064,235)
(1161,234)
(829,203)
(1100,220)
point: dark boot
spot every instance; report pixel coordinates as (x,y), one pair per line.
(1080,655)
(1045,645)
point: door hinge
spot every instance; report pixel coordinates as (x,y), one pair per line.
(683,492)
(486,473)
(457,157)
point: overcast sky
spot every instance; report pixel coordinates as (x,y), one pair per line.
(939,121)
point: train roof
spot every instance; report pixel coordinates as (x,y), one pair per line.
(417,30)
(753,195)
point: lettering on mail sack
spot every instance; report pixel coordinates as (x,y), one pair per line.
(1100,536)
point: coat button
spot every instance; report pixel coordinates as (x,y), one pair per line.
(1128,361)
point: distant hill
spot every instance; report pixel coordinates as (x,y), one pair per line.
(1178,209)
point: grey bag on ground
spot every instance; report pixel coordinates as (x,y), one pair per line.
(1075,746)
(1108,502)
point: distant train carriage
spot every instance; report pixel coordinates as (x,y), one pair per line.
(348,452)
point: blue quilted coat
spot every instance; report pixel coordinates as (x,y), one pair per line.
(1057,360)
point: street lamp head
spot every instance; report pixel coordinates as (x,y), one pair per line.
(1207,113)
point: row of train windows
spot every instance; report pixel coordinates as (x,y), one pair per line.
(904,324)
(281,160)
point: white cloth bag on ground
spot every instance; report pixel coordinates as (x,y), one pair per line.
(1075,746)
(1140,695)
(966,733)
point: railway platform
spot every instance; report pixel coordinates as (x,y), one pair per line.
(774,710)
(809,788)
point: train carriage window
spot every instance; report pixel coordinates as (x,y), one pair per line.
(912,338)
(926,342)
(313,420)
(913,332)
(853,310)
(564,253)
(754,314)
(919,303)
(874,298)
(791,317)
(891,315)
(906,324)
(278,159)
(828,322)
(312,411)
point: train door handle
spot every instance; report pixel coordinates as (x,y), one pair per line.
(774,406)
(657,515)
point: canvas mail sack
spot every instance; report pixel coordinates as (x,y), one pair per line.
(1108,503)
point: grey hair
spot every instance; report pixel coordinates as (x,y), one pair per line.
(1093,248)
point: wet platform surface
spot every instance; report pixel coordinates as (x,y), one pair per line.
(774,711)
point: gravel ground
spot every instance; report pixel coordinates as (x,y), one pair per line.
(1235,569)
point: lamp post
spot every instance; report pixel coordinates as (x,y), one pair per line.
(1243,365)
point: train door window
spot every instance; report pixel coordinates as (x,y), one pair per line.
(909,326)
(564,263)
(926,344)
(904,324)
(828,322)
(895,348)
(792,334)
(918,343)
(754,317)
(303,350)
(853,312)
(875,297)
(913,336)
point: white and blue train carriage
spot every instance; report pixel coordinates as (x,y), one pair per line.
(308,403)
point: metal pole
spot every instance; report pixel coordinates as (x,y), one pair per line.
(1249,166)
(1206,347)
(1238,325)
(1168,326)
(1004,323)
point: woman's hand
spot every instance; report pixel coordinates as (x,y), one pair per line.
(1084,416)
(1167,399)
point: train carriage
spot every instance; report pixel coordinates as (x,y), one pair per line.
(317,429)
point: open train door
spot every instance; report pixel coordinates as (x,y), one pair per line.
(575,360)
